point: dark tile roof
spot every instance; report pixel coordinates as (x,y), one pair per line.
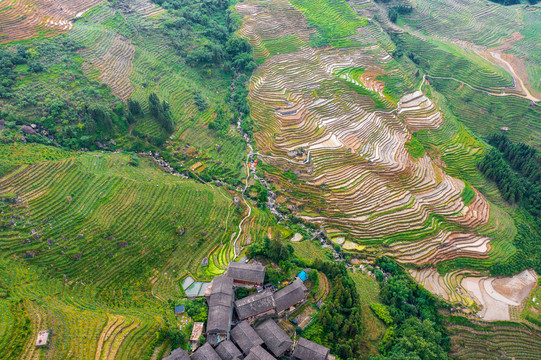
(220,299)
(255,304)
(245,337)
(178,354)
(205,352)
(221,288)
(308,350)
(246,272)
(228,351)
(290,295)
(218,319)
(220,303)
(258,353)
(276,340)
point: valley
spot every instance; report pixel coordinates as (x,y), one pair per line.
(384,145)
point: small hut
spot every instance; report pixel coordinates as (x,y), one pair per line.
(43,338)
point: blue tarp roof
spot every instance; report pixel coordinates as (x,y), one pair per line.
(179,309)
(303,276)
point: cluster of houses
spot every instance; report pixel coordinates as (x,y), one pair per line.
(232,332)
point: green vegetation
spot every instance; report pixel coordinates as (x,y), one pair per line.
(527,242)
(102,245)
(95,244)
(339,324)
(118,220)
(309,251)
(417,330)
(382,312)
(396,10)
(353,74)
(373,328)
(72,108)
(259,193)
(532,311)
(334,21)
(440,59)
(58,97)
(197,309)
(516,169)
(414,147)
(522,121)
(283,45)
(13,320)
(395,86)
(468,194)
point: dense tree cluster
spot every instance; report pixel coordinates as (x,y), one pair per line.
(416,332)
(527,241)
(394,11)
(522,158)
(516,169)
(161,112)
(9,59)
(339,324)
(274,249)
(74,118)
(201,31)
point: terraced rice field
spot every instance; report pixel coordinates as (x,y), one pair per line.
(481,340)
(356,176)
(112,55)
(24,19)
(487,29)
(309,251)
(84,327)
(95,218)
(494,298)
(334,21)
(523,122)
(120,50)
(94,247)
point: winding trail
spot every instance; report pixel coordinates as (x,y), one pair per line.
(481,90)
(237,252)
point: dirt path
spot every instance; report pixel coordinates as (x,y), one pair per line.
(503,93)
(509,62)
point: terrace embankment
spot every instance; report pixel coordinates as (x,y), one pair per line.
(112,55)
(23,19)
(501,56)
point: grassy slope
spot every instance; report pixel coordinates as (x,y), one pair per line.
(374,328)
(334,21)
(474,23)
(484,24)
